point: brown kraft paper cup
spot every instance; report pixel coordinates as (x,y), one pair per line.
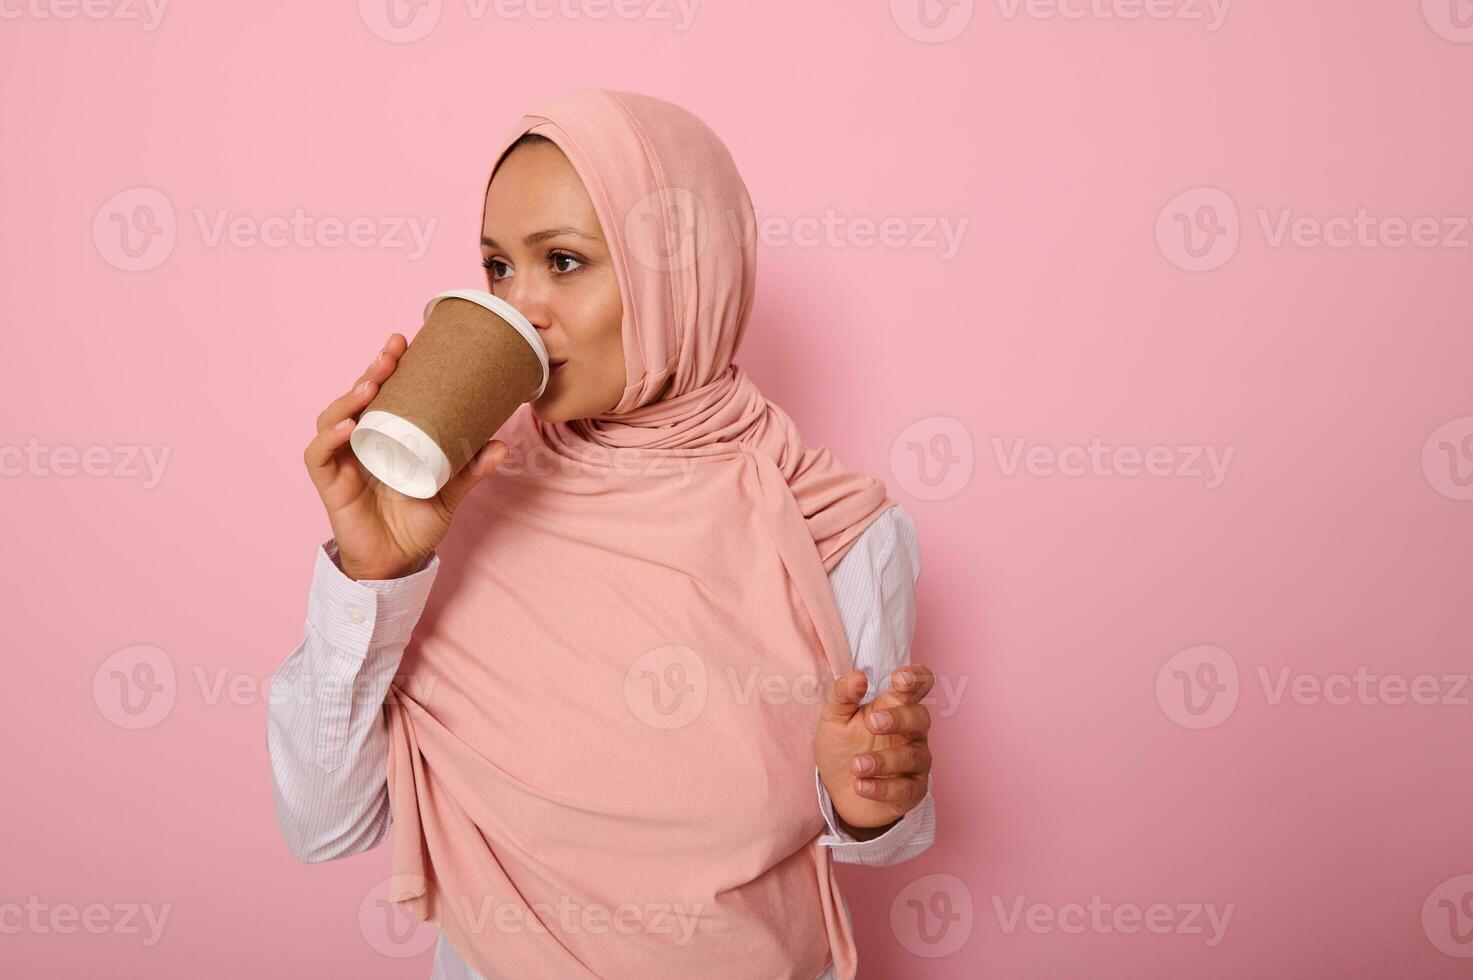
(475,359)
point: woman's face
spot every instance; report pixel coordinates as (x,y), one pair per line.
(545,253)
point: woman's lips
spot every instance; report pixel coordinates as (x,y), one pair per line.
(554,366)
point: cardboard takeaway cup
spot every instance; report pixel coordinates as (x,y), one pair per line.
(475,359)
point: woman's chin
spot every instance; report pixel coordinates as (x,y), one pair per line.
(550,408)
(558,404)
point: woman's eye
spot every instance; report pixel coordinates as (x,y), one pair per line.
(564,256)
(500,270)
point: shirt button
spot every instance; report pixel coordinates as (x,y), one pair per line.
(355,615)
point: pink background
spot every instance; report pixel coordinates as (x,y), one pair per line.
(1340,536)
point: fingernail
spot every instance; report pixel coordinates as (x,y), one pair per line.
(906,677)
(864,763)
(882,719)
(864,785)
(362,387)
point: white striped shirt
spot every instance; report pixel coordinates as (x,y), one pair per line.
(329,762)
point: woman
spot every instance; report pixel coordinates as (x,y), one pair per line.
(656,606)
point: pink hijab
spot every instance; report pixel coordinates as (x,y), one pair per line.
(601,736)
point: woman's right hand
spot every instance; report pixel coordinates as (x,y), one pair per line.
(380,532)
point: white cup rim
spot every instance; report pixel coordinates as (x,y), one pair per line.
(400,454)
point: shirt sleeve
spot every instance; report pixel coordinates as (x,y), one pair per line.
(874,588)
(326,732)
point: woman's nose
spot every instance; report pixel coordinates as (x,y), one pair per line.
(529,302)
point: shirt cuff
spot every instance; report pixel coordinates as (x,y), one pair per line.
(911,834)
(367,613)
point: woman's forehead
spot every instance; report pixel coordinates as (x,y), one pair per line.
(537,186)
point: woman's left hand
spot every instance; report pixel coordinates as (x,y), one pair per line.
(873,758)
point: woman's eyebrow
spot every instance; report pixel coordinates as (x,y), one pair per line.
(541,236)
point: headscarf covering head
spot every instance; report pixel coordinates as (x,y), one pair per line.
(678,220)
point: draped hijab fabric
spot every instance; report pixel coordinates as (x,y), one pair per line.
(600,737)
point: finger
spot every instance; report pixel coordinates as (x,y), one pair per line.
(898,760)
(900,791)
(486,459)
(844,696)
(915,680)
(387,359)
(365,386)
(904,719)
(908,685)
(320,451)
(348,404)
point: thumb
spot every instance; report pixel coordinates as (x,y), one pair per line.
(486,459)
(844,697)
